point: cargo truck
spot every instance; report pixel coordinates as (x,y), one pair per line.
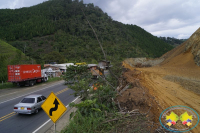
(26,74)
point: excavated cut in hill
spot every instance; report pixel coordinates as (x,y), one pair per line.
(194,44)
(186,54)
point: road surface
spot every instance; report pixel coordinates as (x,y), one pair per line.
(11,122)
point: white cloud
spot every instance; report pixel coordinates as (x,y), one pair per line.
(180,33)
(181,36)
(174,18)
(16,4)
(13,4)
(162,18)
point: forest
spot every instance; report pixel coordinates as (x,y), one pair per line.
(57,30)
(172,41)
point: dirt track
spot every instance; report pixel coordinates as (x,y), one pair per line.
(168,93)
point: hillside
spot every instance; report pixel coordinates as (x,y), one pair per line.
(60,26)
(9,55)
(176,81)
(7,49)
(194,44)
(179,55)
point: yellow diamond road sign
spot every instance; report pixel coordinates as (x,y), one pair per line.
(53,107)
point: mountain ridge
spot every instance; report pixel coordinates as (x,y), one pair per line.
(59,25)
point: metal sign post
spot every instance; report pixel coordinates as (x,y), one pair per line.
(54,127)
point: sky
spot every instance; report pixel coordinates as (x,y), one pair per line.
(166,18)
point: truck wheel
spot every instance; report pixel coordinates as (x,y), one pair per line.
(21,84)
(31,83)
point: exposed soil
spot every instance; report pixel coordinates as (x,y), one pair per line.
(175,82)
(134,98)
(137,97)
(187,83)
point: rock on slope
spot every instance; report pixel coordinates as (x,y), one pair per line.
(193,43)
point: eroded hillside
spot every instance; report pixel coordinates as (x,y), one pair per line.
(175,81)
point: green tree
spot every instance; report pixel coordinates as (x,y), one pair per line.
(71,35)
(54,56)
(18,58)
(3,67)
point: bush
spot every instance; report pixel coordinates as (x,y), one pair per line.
(7,85)
(82,124)
(54,79)
(93,101)
(95,106)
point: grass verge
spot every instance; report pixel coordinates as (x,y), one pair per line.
(54,79)
(7,85)
(81,124)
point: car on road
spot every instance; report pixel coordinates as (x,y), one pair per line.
(29,104)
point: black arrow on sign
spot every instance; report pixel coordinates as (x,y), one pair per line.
(55,108)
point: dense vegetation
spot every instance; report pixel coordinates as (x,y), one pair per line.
(94,105)
(172,41)
(59,26)
(9,55)
(99,110)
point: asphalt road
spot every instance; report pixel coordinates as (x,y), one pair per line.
(11,122)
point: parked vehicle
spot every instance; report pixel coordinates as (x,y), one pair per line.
(25,74)
(82,63)
(30,104)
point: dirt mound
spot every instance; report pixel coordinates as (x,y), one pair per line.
(134,98)
(137,99)
(143,62)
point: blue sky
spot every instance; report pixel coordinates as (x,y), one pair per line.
(173,18)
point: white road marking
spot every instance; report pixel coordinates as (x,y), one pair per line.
(50,119)
(28,93)
(9,94)
(19,91)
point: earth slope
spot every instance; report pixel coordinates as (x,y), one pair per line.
(176,81)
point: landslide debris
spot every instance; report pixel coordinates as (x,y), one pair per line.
(136,98)
(143,62)
(173,79)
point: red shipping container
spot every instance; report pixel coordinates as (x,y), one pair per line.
(17,73)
